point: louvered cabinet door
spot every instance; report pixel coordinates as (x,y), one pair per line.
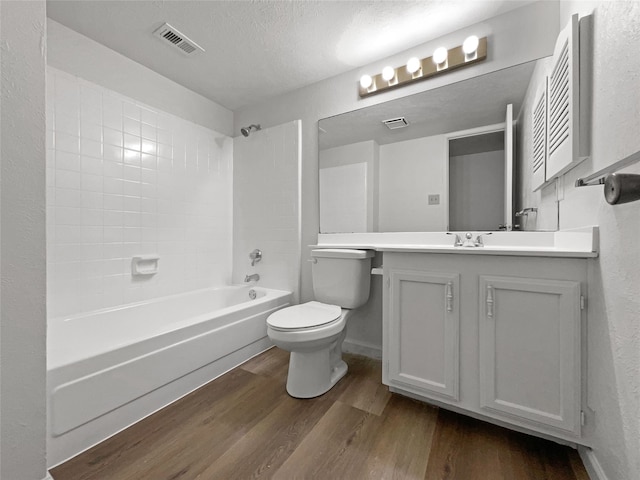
(539,123)
(423,333)
(563,103)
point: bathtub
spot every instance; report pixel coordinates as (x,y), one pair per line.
(110,368)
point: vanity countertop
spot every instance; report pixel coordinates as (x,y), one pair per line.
(575,243)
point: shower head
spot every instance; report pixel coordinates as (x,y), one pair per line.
(247,130)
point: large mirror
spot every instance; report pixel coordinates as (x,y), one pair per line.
(452,158)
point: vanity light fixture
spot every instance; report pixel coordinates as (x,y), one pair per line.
(470,47)
(414,65)
(388,74)
(473,50)
(440,58)
(366,81)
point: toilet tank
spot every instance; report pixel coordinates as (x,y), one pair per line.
(341,276)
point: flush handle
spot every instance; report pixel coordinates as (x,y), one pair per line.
(490,301)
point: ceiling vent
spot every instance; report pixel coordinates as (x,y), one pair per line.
(394,123)
(177,39)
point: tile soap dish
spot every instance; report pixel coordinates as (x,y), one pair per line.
(144,265)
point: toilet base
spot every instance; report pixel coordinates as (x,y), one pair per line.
(314,373)
(310,374)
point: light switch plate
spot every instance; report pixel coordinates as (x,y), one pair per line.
(434,199)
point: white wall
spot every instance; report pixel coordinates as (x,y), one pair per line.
(74,53)
(344,208)
(410,171)
(518,36)
(614,280)
(123,180)
(266,206)
(22,242)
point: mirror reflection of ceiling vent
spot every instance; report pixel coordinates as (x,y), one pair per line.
(177,39)
(394,123)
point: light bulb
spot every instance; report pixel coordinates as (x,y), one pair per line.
(366,81)
(413,65)
(388,73)
(440,55)
(470,45)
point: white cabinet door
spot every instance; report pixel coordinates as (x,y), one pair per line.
(423,332)
(530,351)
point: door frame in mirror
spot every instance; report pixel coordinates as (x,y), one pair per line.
(472,132)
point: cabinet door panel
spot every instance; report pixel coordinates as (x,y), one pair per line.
(424,331)
(530,350)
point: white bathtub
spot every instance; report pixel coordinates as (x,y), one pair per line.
(110,368)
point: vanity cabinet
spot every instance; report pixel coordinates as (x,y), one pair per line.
(529,345)
(498,337)
(424,334)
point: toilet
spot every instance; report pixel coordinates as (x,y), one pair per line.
(314,331)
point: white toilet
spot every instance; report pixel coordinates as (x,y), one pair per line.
(314,331)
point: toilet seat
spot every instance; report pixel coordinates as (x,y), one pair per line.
(308,315)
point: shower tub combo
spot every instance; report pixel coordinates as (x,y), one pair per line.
(110,368)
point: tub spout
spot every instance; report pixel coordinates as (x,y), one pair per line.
(250,278)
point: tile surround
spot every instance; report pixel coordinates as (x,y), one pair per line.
(266,206)
(124,179)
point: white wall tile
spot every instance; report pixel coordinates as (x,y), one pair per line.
(266,205)
(114,192)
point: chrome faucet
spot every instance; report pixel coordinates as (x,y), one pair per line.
(468,241)
(457,242)
(251,278)
(479,242)
(526,211)
(255,256)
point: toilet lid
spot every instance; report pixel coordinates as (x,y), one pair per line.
(307,315)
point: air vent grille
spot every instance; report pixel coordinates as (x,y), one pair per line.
(395,123)
(177,39)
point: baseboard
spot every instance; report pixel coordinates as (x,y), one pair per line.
(48,477)
(362,348)
(591,464)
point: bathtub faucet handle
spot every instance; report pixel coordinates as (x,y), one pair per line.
(255,256)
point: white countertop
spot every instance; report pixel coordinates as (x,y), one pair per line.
(575,243)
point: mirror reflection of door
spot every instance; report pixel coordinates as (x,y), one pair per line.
(477,181)
(481,177)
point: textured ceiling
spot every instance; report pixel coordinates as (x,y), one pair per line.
(471,103)
(259,49)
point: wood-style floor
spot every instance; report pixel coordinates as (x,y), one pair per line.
(243,425)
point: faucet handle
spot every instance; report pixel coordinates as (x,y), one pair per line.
(255,256)
(458,240)
(479,242)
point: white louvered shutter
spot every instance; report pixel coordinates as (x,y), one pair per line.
(539,123)
(563,104)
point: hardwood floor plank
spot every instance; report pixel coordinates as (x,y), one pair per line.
(333,448)
(272,363)
(202,442)
(403,441)
(367,395)
(145,437)
(463,447)
(270,442)
(243,425)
